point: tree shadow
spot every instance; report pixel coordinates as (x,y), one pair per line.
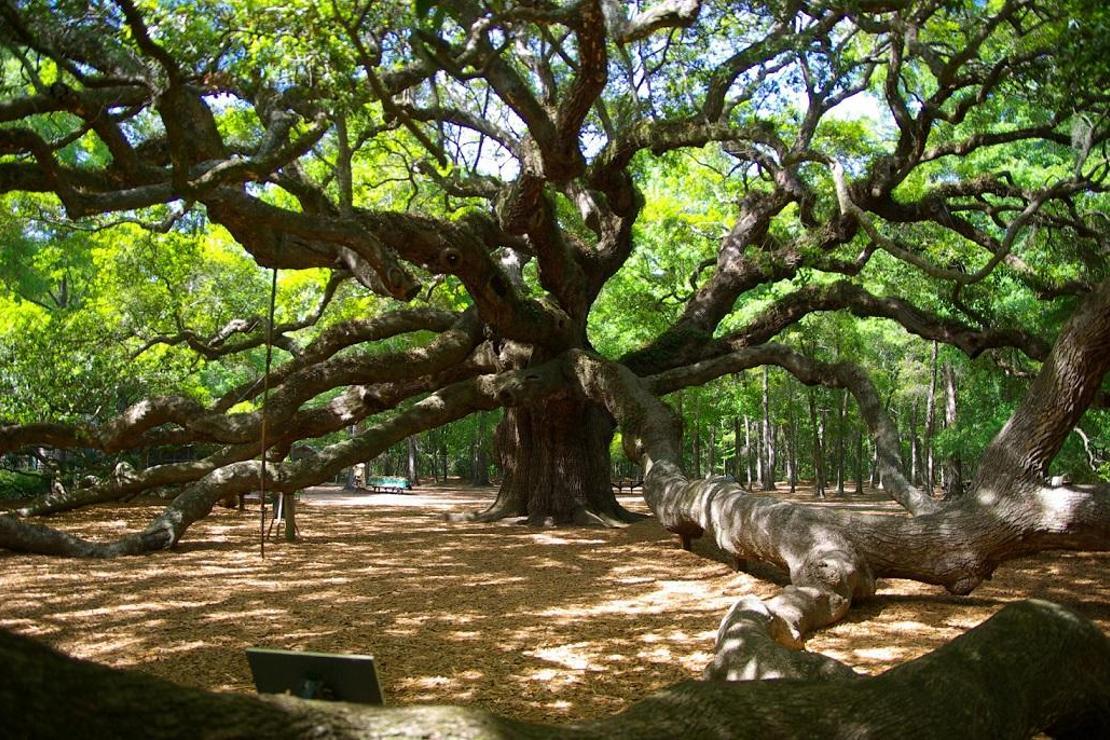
(540,624)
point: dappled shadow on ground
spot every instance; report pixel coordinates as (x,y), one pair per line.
(551,624)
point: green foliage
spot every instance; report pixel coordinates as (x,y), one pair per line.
(18,485)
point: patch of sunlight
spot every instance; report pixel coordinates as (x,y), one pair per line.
(415,621)
(240,615)
(552,679)
(574,656)
(306,635)
(881,653)
(22,603)
(147,606)
(27,627)
(184,647)
(987,496)
(428,682)
(500,581)
(107,647)
(544,538)
(667,593)
(696,661)
(537,562)
(658,654)
(467,636)
(335,597)
(909,626)
(457,618)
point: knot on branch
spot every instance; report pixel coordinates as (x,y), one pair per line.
(450,259)
(840,572)
(62,92)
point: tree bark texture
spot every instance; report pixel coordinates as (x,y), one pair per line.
(558,471)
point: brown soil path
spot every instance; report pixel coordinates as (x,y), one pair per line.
(536,624)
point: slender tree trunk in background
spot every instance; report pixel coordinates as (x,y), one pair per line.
(711,449)
(953,465)
(818,455)
(412,464)
(773,453)
(749,464)
(443,451)
(930,422)
(841,433)
(289,514)
(350,484)
(760,464)
(791,444)
(697,446)
(682,417)
(481,459)
(427,442)
(874,479)
(768,471)
(738,451)
(915,477)
(861,460)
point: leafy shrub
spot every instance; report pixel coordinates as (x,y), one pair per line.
(22,485)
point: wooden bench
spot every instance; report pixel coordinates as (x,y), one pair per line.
(622,483)
(389,484)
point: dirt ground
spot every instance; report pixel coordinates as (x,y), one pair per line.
(547,625)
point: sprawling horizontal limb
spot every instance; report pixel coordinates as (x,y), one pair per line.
(196,500)
(298,381)
(833,557)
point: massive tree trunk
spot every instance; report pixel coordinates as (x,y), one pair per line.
(555,458)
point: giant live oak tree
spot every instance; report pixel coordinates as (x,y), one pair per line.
(530,123)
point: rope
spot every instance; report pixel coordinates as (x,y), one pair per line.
(265,408)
